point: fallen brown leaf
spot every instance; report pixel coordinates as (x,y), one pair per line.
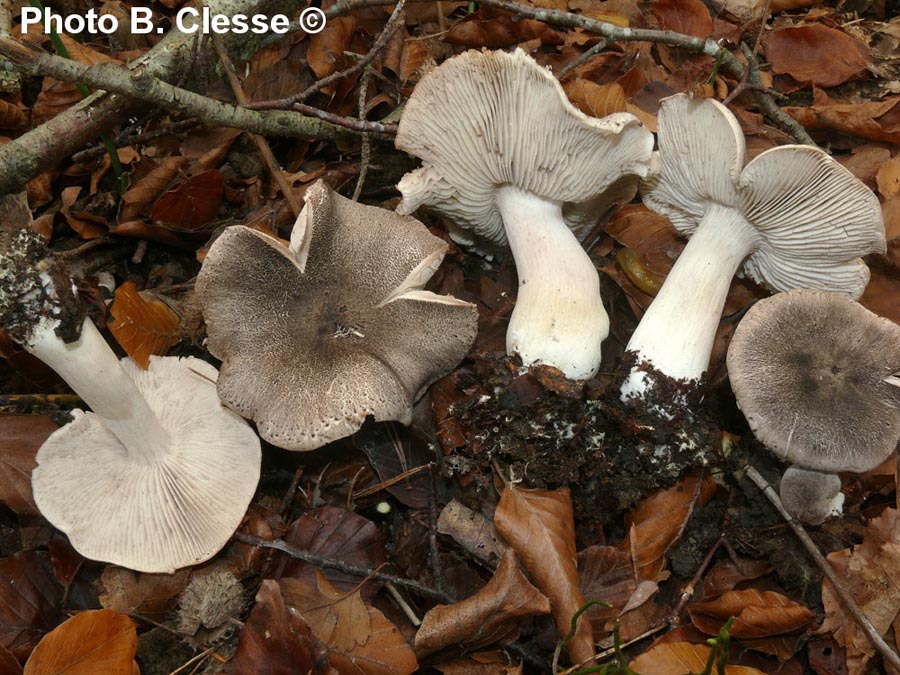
(275,640)
(8,663)
(658,521)
(95,641)
(684,16)
(20,438)
(489,617)
(147,188)
(327,47)
(143,324)
(875,120)
(482,663)
(881,296)
(888,178)
(870,572)
(678,658)
(192,204)
(151,595)
(597,100)
(360,640)
(757,614)
(539,525)
(815,54)
(495,29)
(29,599)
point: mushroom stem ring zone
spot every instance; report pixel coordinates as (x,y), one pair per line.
(559,317)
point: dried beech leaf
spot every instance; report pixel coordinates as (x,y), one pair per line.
(870,572)
(488,617)
(334,533)
(678,658)
(684,16)
(29,596)
(658,522)
(95,641)
(9,665)
(146,190)
(86,225)
(495,29)
(540,527)
(595,99)
(360,640)
(482,663)
(192,204)
(881,296)
(326,49)
(142,324)
(275,640)
(757,614)
(790,5)
(151,595)
(11,117)
(815,54)
(20,438)
(888,178)
(875,120)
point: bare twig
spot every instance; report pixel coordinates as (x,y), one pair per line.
(144,87)
(404,605)
(261,144)
(362,126)
(347,568)
(846,599)
(133,137)
(366,149)
(584,58)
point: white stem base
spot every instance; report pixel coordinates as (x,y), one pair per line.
(677,331)
(91,368)
(559,319)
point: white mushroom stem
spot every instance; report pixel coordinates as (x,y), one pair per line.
(93,371)
(559,318)
(677,331)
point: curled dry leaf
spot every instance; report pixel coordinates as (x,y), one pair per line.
(488,617)
(95,641)
(150,595)
(597,100)
(276,640)
(815,54)
(192,204)
(11,117)
(482,663)
(471,530)
(359,639)
(327,47)
(678,658)
(881,295)
(659,521)
(888,178)
(8,663)
(495,29)
(684,16)
(143,324)
(757,614)
(146,190)
(875,120)
(334,533)
(870,572)
(20,438)
(540,527)
(29,599)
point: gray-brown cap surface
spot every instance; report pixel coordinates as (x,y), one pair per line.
(809,372)
(317,336)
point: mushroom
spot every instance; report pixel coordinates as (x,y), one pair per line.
(793,217)
(512,163)
(811,496)
(160,474)
(317,335)
(810,372)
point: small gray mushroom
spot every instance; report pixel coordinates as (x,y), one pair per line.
(811,372)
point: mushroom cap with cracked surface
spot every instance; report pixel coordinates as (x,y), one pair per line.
(808,369)
(173,512)
(317,336)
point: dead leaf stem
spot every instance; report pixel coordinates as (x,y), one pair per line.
(846,599)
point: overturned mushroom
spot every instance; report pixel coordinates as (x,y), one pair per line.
(512,163)
(810,372)
(318,335)
(792,218)
(160,474)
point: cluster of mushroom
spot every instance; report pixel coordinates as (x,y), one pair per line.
(513,163)
(314,336)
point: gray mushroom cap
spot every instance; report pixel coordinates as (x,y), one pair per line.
(809,370)
(317,336)
(485,119)
(811,496)
(813,218)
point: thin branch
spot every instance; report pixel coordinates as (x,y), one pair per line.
(361,126)
(846,599)
(261,143)
(584,58)
(144,87)
(340,565)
